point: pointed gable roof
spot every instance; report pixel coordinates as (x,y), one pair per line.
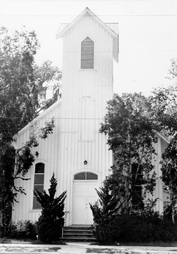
(111,28)
(87,11)
(165,139)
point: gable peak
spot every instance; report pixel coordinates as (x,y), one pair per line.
(66,27)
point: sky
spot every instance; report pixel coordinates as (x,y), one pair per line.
(147,35)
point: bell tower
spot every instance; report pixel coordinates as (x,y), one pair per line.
(89,48)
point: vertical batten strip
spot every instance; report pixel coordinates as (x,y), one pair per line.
(64,151)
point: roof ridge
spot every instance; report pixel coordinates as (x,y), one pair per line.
(60,32)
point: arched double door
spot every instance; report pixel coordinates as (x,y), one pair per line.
(84,193)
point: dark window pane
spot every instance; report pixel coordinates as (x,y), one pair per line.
(85,176)
(80,176)
(39,179)
(38,187)
(39,168)
(87,54)
(38,182)
(91,176)
(36,204)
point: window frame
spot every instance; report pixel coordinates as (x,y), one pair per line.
(34,207)
(86,173)
(87,54)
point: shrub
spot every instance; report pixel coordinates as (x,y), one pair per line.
(51,221)
(115,221)
(23,230)
(0,230)
(141,227)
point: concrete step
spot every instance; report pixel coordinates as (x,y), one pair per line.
(78,239)
(78,233)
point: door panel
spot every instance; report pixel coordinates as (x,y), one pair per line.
(83,194)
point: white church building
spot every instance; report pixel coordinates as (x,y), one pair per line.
(76,152)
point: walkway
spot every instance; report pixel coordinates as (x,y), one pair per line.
(83,248)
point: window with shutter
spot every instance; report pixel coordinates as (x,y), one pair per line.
(38,183)
(87,54)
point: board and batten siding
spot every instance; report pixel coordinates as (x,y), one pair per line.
(158,193)
(79,85)
(76,137)
(48,153)
(62,153)
(65,151)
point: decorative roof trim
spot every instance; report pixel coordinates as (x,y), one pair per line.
(162,137)
(42,115)
(86,11)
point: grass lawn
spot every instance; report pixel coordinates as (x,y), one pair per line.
(26,241)
(13,241)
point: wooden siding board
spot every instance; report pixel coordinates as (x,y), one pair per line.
(62,150)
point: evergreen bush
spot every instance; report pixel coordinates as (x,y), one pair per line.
(23,230)
(136,228)
(113,223)
(51,221)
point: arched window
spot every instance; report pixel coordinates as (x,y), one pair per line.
(85,176)
(38,182)
(87,54)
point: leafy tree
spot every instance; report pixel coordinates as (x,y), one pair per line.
(7,185)
(131,137)
(131,123)
(51,221)
(169,174)
(164,113)
(163,110)
(21,90)
(47,76)
(173,70)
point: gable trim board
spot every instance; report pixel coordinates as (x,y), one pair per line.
(88,12)
(111,28)
(39,117)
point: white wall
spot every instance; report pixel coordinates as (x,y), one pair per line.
(95,84)
(63,152)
